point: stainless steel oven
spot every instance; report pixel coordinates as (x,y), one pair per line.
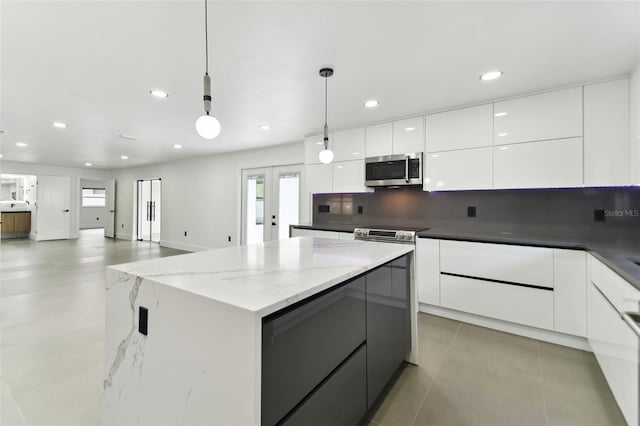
(394,170)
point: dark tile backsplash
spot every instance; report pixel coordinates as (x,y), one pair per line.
(566,211)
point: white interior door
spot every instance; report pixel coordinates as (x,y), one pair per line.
(54,211)
(110,208)
(270,202)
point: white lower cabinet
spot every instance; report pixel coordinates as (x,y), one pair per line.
(570,291)
(545,164)
(428,270)
(518,304)
(616,349)
(461,169)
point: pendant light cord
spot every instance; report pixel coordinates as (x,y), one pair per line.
(325,100)
(206,38)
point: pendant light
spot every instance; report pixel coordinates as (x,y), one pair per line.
(207,125)
(326,155)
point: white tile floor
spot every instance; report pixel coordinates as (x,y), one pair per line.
(52,333)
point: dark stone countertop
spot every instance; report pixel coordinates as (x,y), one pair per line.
(618,253)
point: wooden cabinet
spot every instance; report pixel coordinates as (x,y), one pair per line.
(14,223)
(348,144)
(545,164)
(408,135)
(462,169)
(379,140)
(553,115)
(460,129)
(606,133)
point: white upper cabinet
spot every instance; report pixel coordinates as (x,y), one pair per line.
(312,147)
(408,135)
(544,164)
(553,115)
(461,169)
(460,129)
(606,133)
(379,140)
(348,144)
(319,178)
(348,176)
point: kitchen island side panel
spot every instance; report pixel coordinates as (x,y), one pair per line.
(198,364)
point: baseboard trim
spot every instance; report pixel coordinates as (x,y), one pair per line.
(183,246)
(128,237)
(508,327)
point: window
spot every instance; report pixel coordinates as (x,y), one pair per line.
(93,197)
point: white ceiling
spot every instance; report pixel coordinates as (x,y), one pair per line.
(91,64)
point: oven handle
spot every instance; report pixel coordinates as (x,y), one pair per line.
(406,168)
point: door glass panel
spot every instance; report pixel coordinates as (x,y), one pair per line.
(156,196)
(288,203)
(255,209)
(144,210)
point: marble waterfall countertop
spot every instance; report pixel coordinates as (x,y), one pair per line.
(196,359)
(264,278)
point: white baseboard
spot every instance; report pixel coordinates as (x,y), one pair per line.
(183,246)
(508,327)
(128,237)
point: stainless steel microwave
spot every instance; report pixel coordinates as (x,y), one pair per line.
(394,170)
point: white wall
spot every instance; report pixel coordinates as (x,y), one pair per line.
(91,217)
(200,196)
(634,133)
(74,173)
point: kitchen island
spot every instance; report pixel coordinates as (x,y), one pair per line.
(268,333)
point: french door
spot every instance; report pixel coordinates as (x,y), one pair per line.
(270,202)
(149,212)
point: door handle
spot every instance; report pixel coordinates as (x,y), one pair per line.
(66,210)
(406,168)
(112,211)
(273,224)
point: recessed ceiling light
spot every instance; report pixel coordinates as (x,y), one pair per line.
(503,134)
(265,127)
(409,129)
(59,125)
(124,157)
(504,148)
(158,93)
(371,103)
(1,155)
(355,153)
(21,144)
(435,155)
(88,164)
(177,146)
(127,137)
(491,75)
(499,114)
(319,143)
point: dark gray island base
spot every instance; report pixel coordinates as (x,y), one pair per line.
(328,359)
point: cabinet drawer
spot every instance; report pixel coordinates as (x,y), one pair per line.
(522,305)
(518,264)
(302,346)
(341,400)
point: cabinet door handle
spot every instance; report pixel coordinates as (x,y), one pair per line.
(406,168)
(628,317)
(66,210)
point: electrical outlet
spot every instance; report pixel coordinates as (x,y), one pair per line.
(360,209)
(185,233)
(471,211)
(122,226)
(229,238)
(598,215)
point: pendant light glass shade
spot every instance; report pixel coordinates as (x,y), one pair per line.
(208,126)
(326,156)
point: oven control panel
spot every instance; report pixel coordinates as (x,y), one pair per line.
(385,235)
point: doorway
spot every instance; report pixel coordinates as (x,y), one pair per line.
(270,202)
(148,206)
